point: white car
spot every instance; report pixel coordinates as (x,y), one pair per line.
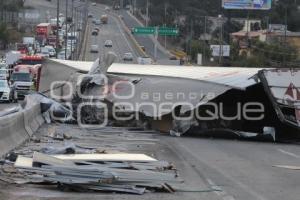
(94,4)
(6,93)
(94,48)
(61,54)
(3,65)
(44,52)
(128,57)
(51,50)
(4,74)
(97,21)
(108,43)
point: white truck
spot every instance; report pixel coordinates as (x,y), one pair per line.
(144,61)
(22,82)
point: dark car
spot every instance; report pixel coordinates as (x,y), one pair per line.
(95,33)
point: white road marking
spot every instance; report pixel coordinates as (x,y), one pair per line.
(289,153)
(222,193)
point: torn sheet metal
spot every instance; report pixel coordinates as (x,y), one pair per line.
(283,88)
(157,96)
(57,111)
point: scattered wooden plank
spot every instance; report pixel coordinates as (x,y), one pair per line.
(287,167)
(23,162)
(51,160)
(106,157)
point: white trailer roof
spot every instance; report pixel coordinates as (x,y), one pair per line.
(234,77)
(231,76)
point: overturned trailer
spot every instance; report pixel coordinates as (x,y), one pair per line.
(191,100)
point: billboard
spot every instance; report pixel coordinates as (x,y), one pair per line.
(216,50)
(247,4)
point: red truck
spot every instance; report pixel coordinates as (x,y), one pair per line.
(43,31)
(22,48)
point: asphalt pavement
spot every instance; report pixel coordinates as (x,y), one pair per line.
(4,106)
(113,31)
(241,170)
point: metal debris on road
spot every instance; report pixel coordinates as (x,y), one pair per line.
(125,173)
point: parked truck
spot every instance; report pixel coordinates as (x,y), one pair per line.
(104,19)
(43,31)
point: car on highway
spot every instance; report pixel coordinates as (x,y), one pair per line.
(51,50)
(94,4)
(7,93)
(108,43)
(127,7)
(3,65)
(97,22)
(61,54)
(94,48)
(97,29)
(94,33)
(44,52)
(4,74)
(128,57)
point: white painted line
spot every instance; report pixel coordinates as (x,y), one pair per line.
(222,193)
(289,153)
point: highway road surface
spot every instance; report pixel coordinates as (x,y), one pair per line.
(240,170)
(4,106)
(113,31)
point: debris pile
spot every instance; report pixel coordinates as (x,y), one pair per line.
(125,173)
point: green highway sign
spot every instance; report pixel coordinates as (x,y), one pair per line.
(165,31)
(143,30)
(168,31)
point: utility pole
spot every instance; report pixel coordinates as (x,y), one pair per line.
(57,27)
(165,23)
(155,43)
(72,29)
(66,30)
(285,37)
(147,13)
(205,34)
(221,40)
(191,38)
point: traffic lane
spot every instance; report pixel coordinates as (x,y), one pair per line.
(5,106)
(243,170)
(112,31)
(145,41)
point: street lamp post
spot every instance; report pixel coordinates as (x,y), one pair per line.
(72,29)
(66,30)
(57,27)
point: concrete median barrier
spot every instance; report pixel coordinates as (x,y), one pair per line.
(33,119)
(18,127)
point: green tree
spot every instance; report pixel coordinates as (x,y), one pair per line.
(4,36)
